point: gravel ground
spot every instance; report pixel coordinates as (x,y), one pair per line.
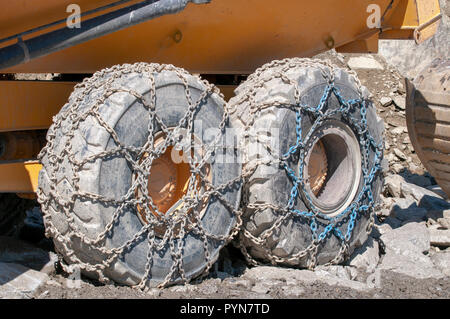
(393,286)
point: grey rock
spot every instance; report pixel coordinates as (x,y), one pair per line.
(419,180)
(397,168)
(381,229)
(406,140)
(440,217)
(388,202)
(366,257)
(154,292)
(208,287)
(401,88)
(332,280)
(261,287)
(275,273)
(400,154)
(383,212)
(415,214)
(410,58)
(414,265)
(292,290)
(364,62)
(417,192)
(384,166)
(222,275)
(393,222)
(238,283)
(406,202)
(413,167)
(341,272)
(438,190)
(393,184)
(19,282)
(442,261)
(405,209)
(266,273)
(439,237)
(434,203)
(391,157)
(399,130)
(400,102)
(19,252)
(385,101)
(444,222)
(435,214)
(181,288)
(411,238)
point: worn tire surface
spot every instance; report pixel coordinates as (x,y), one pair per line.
(270,183)
(112,176)
(428,120)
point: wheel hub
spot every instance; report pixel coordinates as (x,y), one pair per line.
(167,181)
(318,166)
(332,168)
(167,185)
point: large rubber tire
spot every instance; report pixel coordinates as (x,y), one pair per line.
(272,90)
(67,215)
(428,119)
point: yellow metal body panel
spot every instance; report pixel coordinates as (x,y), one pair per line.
(411,16)
(31,105)
(28,105)
(231,36)
(223,37)
(19,177)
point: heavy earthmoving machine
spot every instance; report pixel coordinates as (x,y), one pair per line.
(155,132)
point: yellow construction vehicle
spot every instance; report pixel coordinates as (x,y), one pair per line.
(144,170)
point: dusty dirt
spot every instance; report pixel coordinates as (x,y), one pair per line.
(394,286)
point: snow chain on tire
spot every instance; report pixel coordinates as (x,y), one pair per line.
(267,224)
(71,207)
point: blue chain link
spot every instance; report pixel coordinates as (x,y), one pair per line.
(366,141)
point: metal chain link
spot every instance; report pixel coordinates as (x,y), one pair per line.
(279,70)
(71,118)
(187,214)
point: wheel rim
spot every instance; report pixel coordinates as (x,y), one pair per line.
(168,185)
(317,167)
(333,147)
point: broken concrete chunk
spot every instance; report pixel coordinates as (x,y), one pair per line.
(19,282)
(417,192)
(367,256)
(411,238)
(442,261)
(19,252)
(385,101)
(393,184)
(439,237)
(400,154)
(364,62)
(400,102)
